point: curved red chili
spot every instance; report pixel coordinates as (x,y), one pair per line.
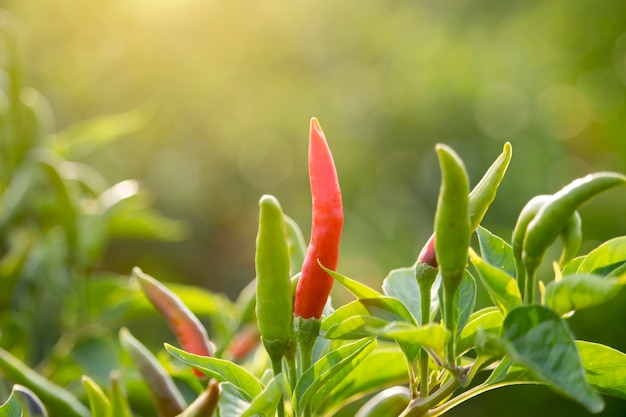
(315,284)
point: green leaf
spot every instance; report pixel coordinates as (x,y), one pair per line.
(98,402)
(502,287)
(611,252)
(464,300)
(323,371)
(572,266)
(381,368)
(58,400)
(605,367)
(11,407)
(87,136)
(579,291)
(266,402)
(357,289)
(401,283)
(132,221)
(433,336)
(355,319)
(232,401)
(488,319)
(539,340)
(220,369)
(495,251)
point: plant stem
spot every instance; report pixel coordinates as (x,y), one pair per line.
(450,321)
(306,331)
(423,355)
(419,407)
(425,275)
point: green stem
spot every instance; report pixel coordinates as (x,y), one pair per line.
(423,355)
(290,358)
(419,407)
(277,367)
(306,331)
(450,321)
(464,396)
(425,275)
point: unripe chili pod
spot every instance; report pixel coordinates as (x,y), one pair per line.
(480,198)
(188,329)
(552,217)
(166,397)
(452,221)
(315,284)
(572,238)
(390,402)
(273,291)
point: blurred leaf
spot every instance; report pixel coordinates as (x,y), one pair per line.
(605,368)
(220,369)
(318,376)
(611,252)
(297,245)
(98,402)
(488,319)
(379,369)
(97,356)
(539,340)
(502,287)
(58,400)
(266,402)
(356,319)
(145,223)
(579,291)
(87,136)
(357,289)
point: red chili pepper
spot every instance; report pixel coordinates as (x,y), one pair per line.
(315,284)
(188,329)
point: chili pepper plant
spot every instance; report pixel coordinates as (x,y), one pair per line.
(416,346)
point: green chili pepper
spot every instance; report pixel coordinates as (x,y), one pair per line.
(58,400)
(480,198)
(572,238)
(452,221)
(483,194)
(315,284)
(31,404)
(188,329)
(529,211)
(206,403)
(453,230)
(553,216)
(273,293)
(390,402)
(119,402)
(166,397)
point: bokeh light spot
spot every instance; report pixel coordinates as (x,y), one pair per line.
(563,111)
(501,110)
(265,161)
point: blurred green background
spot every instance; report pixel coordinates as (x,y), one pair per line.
(229,86)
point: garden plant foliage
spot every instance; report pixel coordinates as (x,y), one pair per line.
(416,346)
